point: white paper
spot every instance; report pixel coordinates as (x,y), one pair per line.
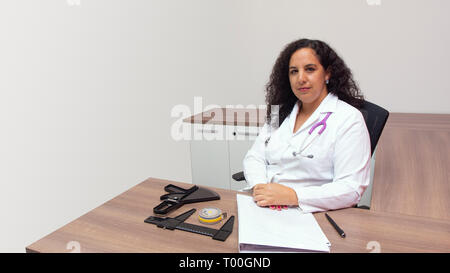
(289,230)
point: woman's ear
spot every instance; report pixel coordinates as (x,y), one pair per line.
(328,74)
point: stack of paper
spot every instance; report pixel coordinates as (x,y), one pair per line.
(289,230)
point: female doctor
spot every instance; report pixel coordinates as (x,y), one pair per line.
(319,157)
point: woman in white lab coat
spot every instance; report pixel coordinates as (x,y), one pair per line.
(314,150)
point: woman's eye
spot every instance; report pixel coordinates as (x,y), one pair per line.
(310,69)
(293,72)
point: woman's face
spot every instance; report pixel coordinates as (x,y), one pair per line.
(307,77)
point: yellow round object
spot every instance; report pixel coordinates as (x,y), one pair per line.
(211,215)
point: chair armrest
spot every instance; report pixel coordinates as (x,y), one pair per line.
(238,176)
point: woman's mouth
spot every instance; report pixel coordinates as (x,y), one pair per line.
(304,89)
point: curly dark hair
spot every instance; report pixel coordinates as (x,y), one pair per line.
(341,83)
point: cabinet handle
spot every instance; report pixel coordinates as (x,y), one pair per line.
(246,133)
(207,131)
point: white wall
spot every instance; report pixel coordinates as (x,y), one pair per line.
(86,90)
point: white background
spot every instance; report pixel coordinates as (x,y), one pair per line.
(87,86)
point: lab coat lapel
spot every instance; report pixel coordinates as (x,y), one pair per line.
(292,117)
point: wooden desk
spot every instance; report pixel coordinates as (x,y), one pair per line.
(118,226)
(393,232)
(412,168)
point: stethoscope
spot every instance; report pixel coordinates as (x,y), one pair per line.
(322,123)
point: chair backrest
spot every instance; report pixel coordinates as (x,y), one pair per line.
(375,118)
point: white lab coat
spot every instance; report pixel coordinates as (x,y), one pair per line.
(339,171)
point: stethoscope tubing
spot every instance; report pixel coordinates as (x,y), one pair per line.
(322,123)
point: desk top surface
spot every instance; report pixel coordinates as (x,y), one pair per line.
(411,174)
(118,226)
(230,116)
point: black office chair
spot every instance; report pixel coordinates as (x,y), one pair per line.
(375,118)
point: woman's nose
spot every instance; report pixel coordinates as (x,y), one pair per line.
(301,77)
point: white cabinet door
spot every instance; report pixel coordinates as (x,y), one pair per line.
(209,157)
(218,152)
(244,137)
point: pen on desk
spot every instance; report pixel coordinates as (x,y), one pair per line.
(336,227)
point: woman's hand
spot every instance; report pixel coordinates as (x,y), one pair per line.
(274,194)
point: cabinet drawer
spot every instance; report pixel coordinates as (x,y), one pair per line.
(210,132)
(248,133)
